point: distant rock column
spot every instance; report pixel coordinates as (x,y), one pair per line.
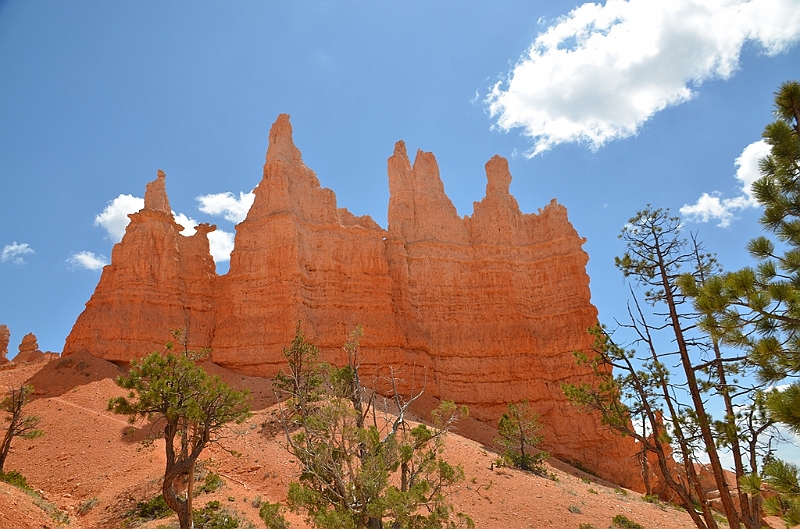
(5,336)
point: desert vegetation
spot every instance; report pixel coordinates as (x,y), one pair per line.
(19,424)
(190,406)
(362,467)
(731,345)
(519,434)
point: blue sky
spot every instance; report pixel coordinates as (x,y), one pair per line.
(605,107)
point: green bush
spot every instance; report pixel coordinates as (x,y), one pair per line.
(15,479)
(211,483)
(271,514)
(623,522)
(152,509)
(213,516)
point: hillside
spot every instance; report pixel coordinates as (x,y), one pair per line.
(93,459)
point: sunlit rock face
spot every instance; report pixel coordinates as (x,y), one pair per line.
(483,310)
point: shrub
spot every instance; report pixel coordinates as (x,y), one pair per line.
(214,516)
(272,516)
(152,509)
(211,483)
(87,506)
(15,479)
(623,522)
(519,434)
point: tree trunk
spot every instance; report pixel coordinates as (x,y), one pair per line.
(697,400)
(6,446)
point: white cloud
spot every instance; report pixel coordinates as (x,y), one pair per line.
(713,206)
(188,224)
(114,219)
(227,205)
(221,244)
(600,72)
(14,252)
(87,260)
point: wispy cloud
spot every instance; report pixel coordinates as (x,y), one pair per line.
(15,253)
(87,260)
(227,205)
(601,71)
(711,206)
(114,218)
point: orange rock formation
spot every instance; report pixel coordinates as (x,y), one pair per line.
(483,310)
(5,336)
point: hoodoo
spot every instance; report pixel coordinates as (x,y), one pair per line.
(485,309)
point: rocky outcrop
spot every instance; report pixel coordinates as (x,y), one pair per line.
(5,336)
(299,257)
(484,310)
(158,280)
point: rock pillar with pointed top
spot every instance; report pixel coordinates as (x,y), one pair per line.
(298,257)
(158,280)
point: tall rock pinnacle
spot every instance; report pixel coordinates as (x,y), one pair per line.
(155,195)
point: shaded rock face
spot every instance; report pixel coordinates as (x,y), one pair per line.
(482,310)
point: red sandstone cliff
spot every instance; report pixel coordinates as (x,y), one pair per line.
(487,308)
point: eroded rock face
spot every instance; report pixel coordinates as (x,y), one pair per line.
(483,310)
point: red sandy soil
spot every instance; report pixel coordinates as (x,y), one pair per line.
(89,455)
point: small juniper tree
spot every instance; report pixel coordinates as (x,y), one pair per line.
(519,429)
(19,424)
(193,408)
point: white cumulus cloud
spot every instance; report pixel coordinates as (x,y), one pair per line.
(87,260)
(601,71)
(15,252)
(114,218)
(712,206)
(227,205)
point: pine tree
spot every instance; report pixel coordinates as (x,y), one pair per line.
(19,424)
(193,408)
(518,430)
